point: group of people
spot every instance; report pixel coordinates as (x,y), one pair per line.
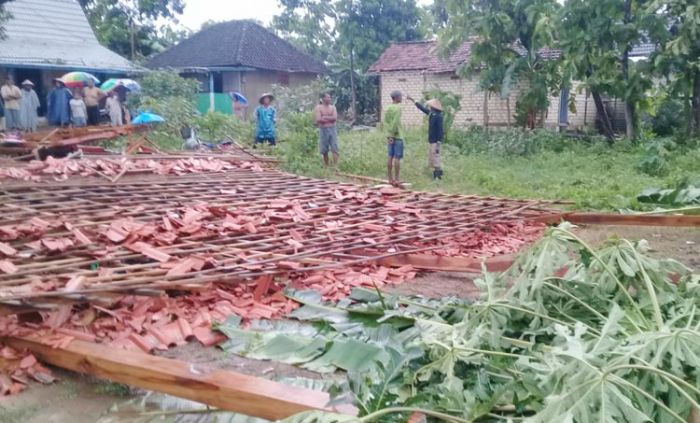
(326,117)
(78,108)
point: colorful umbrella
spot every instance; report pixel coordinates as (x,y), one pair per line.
(113,83)
(78,79)
(239,97)
(145,118)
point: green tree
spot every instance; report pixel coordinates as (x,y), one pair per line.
(678,58)
(507,38)
(130,27)
(596,37)
(365,30)
(349,35)
(309,25)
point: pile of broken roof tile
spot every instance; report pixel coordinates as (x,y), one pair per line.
(63,168)
(17,368)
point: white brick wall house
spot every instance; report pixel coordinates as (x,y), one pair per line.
(415,67)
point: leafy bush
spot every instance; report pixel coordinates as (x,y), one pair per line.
(298,99)
(670,118)
(163,84)
(655,159)
(300,136)
(516,142)
(686,193)
(167,94)
(215,126)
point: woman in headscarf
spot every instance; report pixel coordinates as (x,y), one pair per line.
(28,115)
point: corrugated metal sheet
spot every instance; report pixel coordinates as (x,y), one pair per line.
(55,34)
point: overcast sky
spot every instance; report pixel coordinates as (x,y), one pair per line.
(200,11)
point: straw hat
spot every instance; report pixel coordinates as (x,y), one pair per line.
(262,97)
(27,82)
(435,104)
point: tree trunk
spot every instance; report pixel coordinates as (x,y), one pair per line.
(695,106)
(603,116)
(132,37)
(353,88)
(486,110)
(508,110)
(629,107)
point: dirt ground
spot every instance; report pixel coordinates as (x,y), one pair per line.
(79,399)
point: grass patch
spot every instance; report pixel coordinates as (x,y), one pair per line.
(113,389)
(511,164)
(18,415)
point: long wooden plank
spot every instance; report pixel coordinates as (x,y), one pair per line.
(624,219)
(449,264)
(219,388)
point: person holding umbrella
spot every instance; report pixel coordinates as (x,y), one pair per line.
(58,104)
(266,119)
(436,133)
(12,98)
(92,97)
(30,103)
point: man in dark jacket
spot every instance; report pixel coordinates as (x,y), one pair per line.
(436,133)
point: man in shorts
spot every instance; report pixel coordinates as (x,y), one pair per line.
(326,117)
(392,125)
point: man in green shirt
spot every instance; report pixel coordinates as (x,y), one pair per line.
(392,124)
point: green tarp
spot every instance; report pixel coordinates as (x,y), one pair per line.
(222,103)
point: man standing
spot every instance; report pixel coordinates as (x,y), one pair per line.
(392,124)
(30,103)
(326,117)
(266,118)
(12,97)
(92,97)
(58,105)
(436,133)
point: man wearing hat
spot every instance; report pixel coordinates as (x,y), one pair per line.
(12,98)
(392,125)
(436,133)
(266,119)
(28,111)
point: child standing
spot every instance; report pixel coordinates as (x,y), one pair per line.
(114,109)
(392,124)
(266,118)
(78,109)
(436,133)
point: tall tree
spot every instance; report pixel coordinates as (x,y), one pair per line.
(596,37)
(507,39)
(140,36)
(349,35)
(309,25)
(678,59)
(367,27)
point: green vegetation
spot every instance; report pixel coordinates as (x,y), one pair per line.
(517,164)
(610,339)
(113,389)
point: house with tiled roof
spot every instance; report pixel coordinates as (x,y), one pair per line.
(239,56)
(415,67)
(48,38)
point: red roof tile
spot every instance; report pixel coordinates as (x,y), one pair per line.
(422,56)
(425,56)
